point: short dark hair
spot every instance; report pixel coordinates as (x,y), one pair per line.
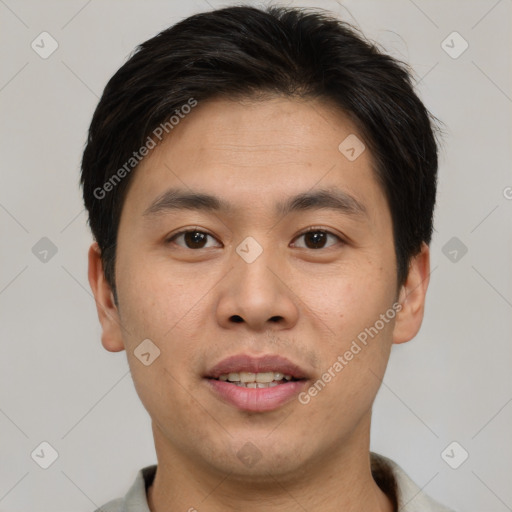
(243,51)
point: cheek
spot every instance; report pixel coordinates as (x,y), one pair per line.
(351,375)
(169,403)
(358,309)
(351,299)
(154,300)
(159,304)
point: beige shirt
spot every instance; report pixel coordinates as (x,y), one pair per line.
(390,476)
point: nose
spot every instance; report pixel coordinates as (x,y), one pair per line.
(258,293)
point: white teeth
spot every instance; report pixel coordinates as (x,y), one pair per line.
(263,379)
(256,384)
(266,377)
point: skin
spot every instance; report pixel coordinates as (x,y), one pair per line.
(307,304)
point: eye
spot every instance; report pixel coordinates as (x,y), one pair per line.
(193,239)
(315,238)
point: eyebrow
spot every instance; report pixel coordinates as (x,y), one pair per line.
(331,199)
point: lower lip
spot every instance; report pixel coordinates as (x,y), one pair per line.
(257,399)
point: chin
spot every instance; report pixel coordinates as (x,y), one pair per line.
(260,458)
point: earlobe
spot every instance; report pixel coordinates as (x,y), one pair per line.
(412,297)
(107,310)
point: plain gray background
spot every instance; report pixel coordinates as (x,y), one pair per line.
(452,383)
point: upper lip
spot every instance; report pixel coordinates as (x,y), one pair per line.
(246,363)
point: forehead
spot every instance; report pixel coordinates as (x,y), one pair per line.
(256,153)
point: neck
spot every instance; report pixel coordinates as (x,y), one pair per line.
(340,480)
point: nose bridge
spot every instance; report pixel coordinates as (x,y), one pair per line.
(250,250)
(254,292)
(252,262)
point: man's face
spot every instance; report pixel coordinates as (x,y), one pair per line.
(250,283)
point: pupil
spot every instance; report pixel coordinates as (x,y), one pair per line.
(317,238)
(195,238)
(314,239)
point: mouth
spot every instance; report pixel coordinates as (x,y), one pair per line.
(256,384)
(260,380)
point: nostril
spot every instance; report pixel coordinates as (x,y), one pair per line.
(237,319)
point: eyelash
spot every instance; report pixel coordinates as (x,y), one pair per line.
(312,229)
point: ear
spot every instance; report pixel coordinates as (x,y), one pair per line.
(412,297)
(107,310)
